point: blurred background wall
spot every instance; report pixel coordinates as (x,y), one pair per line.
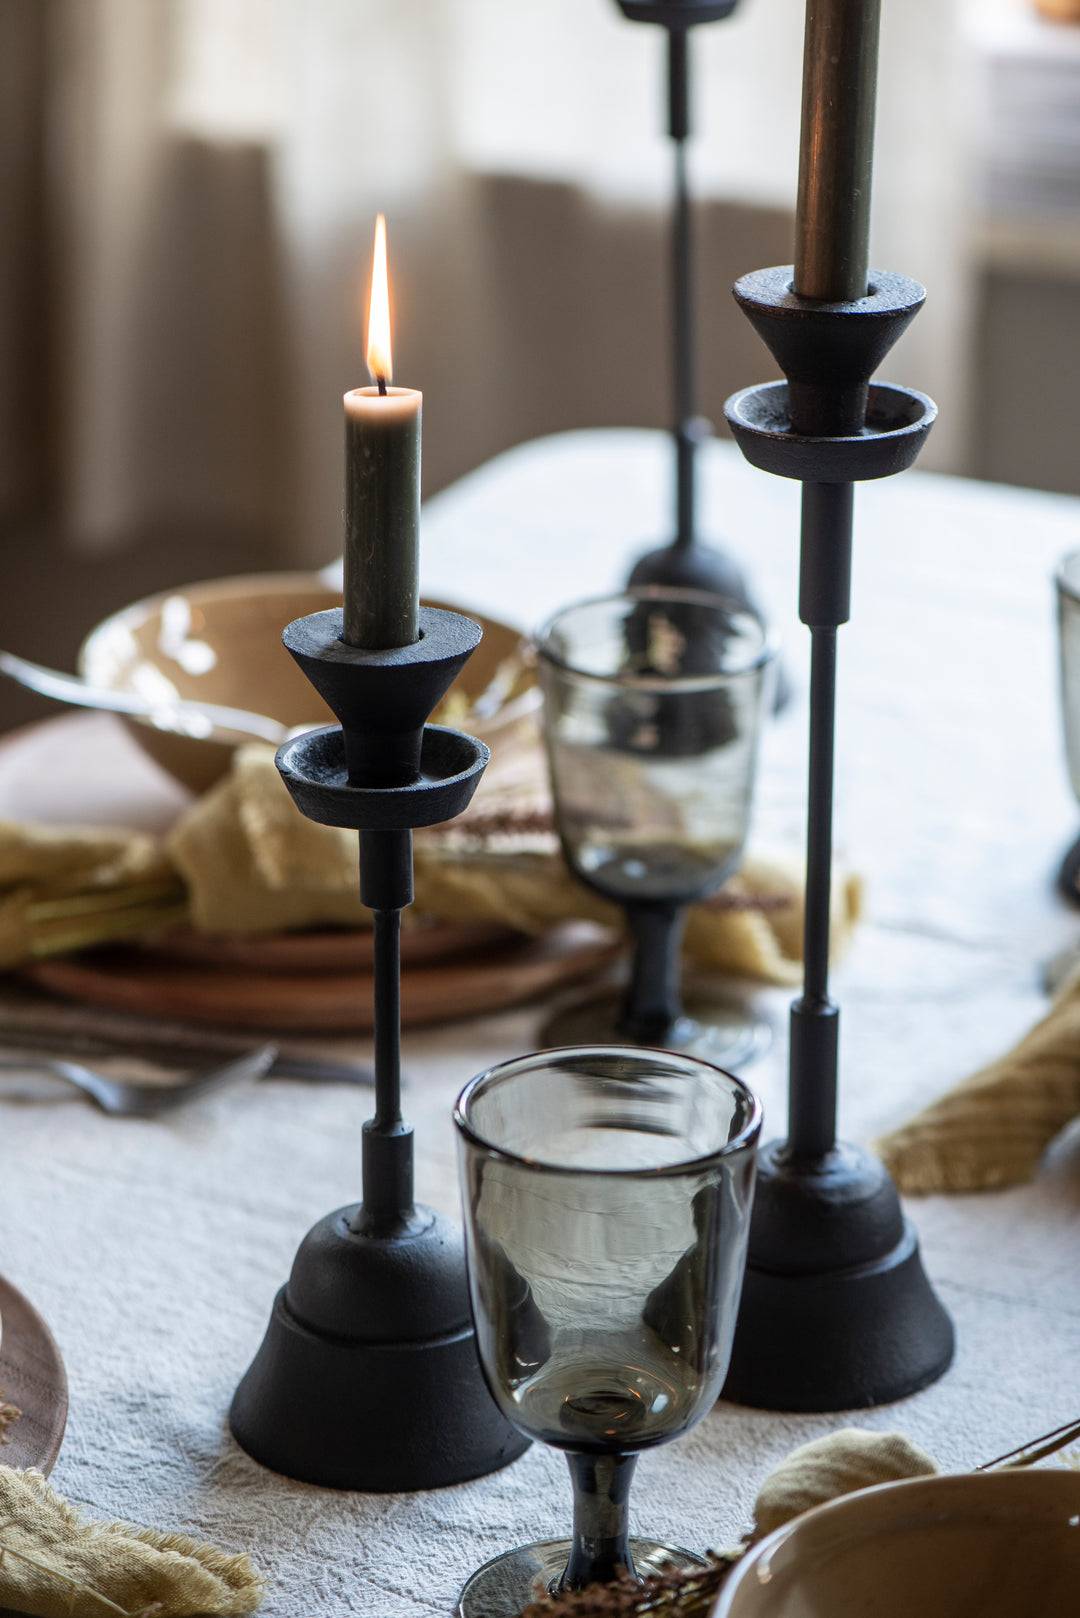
(189,187)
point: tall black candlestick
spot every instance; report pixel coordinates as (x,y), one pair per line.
(368,1377)
(685,561)
(837,1310)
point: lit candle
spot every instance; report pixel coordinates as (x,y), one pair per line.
(382,490)
(836,156)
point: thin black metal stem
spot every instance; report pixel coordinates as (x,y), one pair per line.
(682,290)
(387,972)
(386,885)
(685,380)
(819,813)
(824,604)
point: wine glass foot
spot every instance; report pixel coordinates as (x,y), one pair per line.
(505,1586)
(1068,877)
(1060,968)
(718,1029)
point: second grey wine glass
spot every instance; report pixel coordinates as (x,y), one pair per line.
(653,703)
(607,1197)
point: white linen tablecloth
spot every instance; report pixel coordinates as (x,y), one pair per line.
(154,1249)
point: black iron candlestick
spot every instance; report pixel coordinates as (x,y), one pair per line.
(685,562)
(837,1310)
(368,1376)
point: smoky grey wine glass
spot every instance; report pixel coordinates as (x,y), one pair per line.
(653,705)
(607,1195)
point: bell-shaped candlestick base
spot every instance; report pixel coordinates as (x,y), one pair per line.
(368,1376)
(837,1312)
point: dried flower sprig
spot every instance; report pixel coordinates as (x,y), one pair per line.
(8,1415)
(672,1593)
(1037,1449)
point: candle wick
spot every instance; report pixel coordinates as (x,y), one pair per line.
(381,380)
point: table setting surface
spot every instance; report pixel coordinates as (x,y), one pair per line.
(153,1248)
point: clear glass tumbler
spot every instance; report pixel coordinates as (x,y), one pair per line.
(653,704)
(607,1195)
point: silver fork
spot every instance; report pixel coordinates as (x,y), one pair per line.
(126,1100)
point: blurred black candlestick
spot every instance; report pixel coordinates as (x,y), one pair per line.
(684,562)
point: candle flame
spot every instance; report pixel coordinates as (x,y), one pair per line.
(379,360)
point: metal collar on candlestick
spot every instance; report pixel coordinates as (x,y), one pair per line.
(368,1376)
(837,1310)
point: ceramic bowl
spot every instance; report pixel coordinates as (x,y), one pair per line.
(980,1545)
(220,642)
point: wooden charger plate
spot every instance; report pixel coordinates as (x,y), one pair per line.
(32,1376)
(333,950)
(496,976)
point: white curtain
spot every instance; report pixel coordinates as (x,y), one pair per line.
(215,170)
(565,87)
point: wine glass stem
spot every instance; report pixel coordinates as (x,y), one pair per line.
(653,1003)
(601,1547)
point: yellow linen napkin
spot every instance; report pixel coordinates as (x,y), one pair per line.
(63,887)
(991,1130)
(54,1564)
(254,864)
(244,860)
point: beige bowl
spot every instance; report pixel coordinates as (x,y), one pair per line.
(981,1545)
(1059,10)
(220,642)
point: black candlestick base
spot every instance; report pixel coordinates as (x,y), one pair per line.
(368,1376)
(692,567)
(837,1312)
(703,567)
(1068,877)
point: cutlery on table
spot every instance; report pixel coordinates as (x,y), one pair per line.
(58,1043)
(205,720)
(128,1100)
(208,721)
(318,1070)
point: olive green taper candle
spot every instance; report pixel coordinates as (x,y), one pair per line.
(381,596)
(382,518)
(836,156)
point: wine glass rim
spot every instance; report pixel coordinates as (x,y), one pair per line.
(680,596)
(745,1138)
